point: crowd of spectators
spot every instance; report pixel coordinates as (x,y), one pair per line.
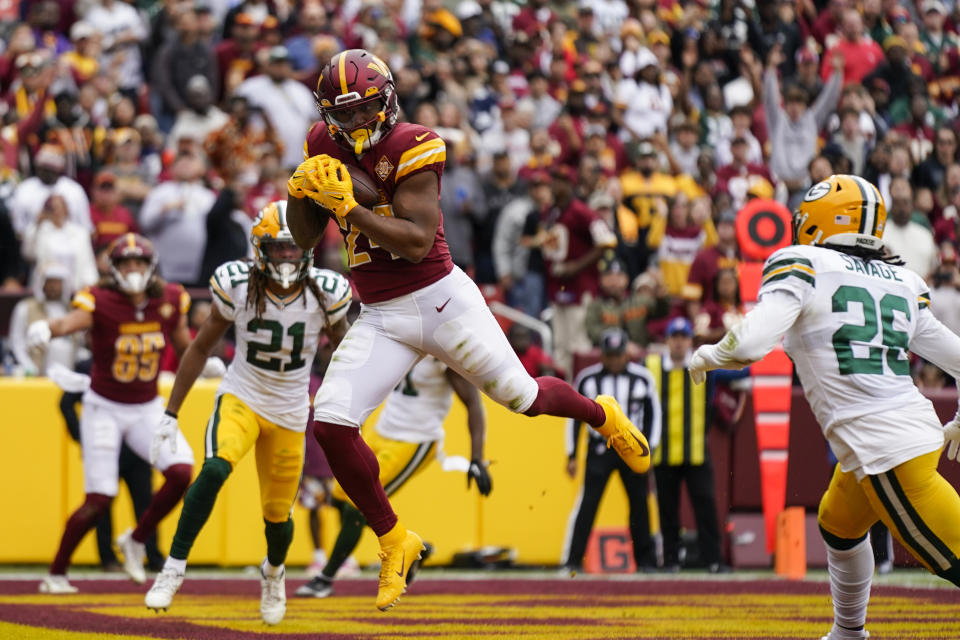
(599,151)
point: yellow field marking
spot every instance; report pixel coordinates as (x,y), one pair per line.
(10,631)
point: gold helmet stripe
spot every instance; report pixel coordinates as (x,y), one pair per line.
(342,72)
(868,219)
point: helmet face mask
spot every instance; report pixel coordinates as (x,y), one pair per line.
(132,249)
(356,115)
(275,252)
(844,211)
(357,99)
(283,260)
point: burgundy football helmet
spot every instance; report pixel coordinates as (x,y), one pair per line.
(358,100)
(132,245)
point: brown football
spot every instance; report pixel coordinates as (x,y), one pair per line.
(364,188)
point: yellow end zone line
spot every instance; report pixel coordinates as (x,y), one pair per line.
(11,631)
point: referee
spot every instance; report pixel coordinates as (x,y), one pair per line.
(684,457)
(636,391)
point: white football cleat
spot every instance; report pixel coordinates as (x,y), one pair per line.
(350,567)
(164,588)
(56,585)
(133,555)
(319,562)
(846,634)
(273,595)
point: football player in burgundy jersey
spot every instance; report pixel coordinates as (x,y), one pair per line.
(131,315)
(415,301)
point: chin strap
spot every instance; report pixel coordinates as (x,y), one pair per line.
(360,138)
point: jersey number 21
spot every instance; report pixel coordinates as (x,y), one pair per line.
(258,353)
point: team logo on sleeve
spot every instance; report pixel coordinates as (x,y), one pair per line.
(383,168)
(817,191)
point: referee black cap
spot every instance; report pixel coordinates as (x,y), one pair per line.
(614,341)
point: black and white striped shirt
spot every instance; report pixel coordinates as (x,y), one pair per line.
(635,390)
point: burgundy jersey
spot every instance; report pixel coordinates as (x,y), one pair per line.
(128,343)
(703,273)
(569,235)
(408,150)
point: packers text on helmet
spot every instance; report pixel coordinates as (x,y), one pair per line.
(843,210)
(358,100)
(274,251)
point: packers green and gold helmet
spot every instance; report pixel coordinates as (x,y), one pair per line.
(275,252)
(843,210)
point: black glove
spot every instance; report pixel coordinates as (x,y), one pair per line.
(478,471)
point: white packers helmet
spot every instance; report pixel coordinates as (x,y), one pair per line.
(270,227)
(842,210)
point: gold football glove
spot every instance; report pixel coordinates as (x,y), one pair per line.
(297,185)
(333,186)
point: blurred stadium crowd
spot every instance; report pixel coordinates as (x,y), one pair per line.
(657,120)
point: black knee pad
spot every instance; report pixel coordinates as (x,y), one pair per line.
(838,543)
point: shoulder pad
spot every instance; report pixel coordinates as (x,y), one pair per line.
(228,277)
(419,148)
(335,287)
(793,261)
(176,294)
(316,134)
(85,299)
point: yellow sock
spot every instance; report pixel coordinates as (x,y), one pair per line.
(610,423)
(393,537)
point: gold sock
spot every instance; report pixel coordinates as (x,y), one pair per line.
(393,537)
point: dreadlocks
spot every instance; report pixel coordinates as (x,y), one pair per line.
(257,292)
(866,254)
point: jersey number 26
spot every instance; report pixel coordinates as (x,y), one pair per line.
(892,341)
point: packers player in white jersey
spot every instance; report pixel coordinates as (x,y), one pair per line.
(278,306)
(408,435)
(848,314)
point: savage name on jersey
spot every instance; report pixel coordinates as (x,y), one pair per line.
(271,369)
(408,149)
(849,344)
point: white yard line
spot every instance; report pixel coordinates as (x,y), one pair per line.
(910,578)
